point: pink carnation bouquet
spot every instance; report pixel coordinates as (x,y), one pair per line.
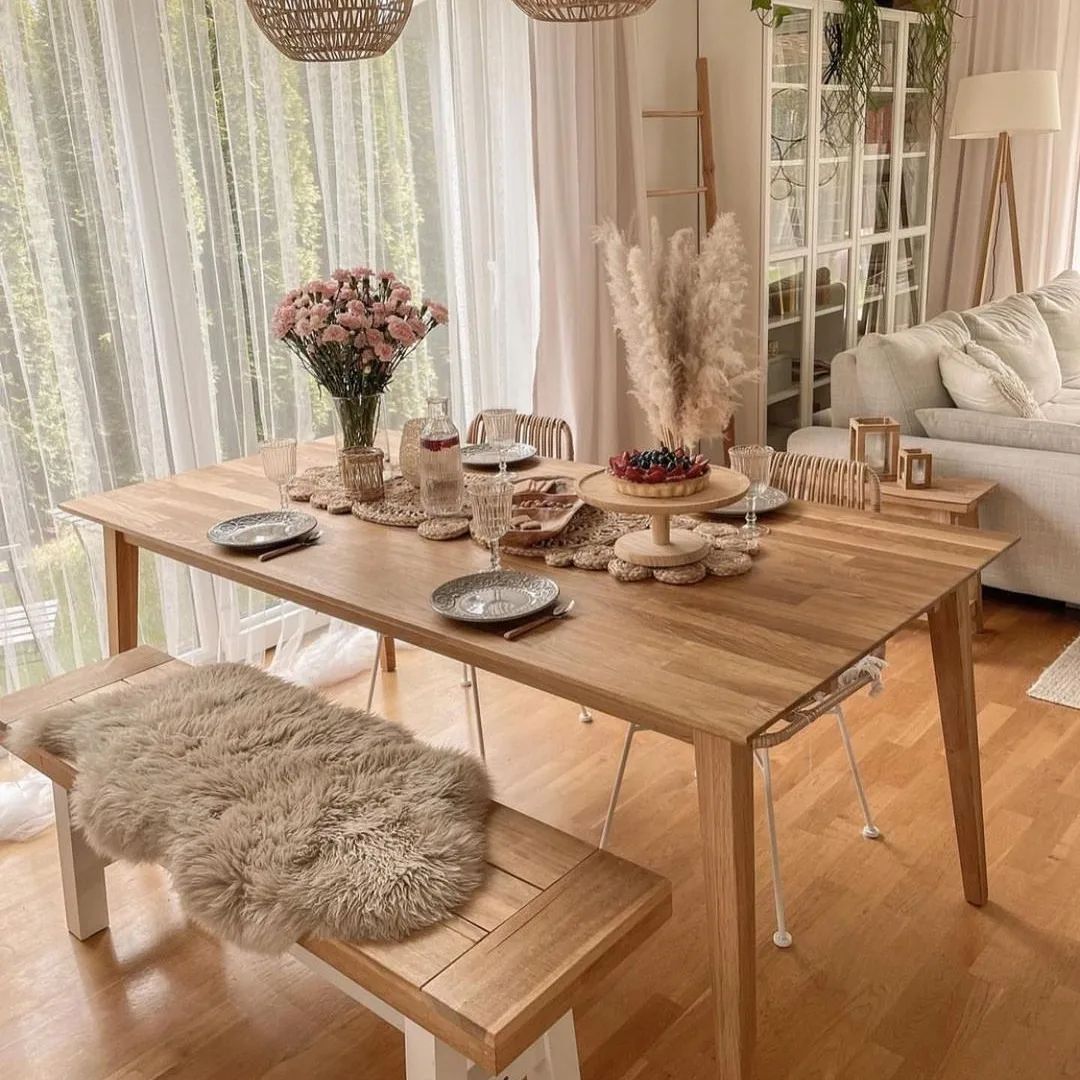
(351,332)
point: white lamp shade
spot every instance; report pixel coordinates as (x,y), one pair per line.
(1010,101)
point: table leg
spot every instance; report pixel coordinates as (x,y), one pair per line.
(971,520)
(121,591)
(950,638)
(725,781)
(388,657)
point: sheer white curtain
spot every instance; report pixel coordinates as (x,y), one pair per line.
(590,169)
(165,175)
(1002,35)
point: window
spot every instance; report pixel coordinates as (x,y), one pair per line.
(206,183)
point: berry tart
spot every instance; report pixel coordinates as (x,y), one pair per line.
(660,474)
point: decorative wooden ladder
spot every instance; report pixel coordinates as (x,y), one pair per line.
(707,187)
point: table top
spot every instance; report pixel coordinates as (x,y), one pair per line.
(726,656)
(959,494)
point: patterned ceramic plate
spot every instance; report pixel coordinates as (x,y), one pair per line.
(256,532)
(484,455)
(772,499)
(495,596)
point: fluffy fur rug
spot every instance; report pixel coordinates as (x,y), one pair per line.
(277,813)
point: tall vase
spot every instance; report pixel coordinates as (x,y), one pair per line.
(357,420)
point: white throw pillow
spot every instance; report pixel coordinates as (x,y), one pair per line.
(1014,329)
(1059,304)
(978,379)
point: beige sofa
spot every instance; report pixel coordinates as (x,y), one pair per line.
(1034,457)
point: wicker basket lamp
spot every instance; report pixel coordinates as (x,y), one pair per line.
(582,10)
(329,30)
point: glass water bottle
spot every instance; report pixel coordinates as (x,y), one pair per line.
(442,477)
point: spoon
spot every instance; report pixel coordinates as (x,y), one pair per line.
(560,611)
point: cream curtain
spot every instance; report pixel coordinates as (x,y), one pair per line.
(1001,35)
(165,175)
(589,169)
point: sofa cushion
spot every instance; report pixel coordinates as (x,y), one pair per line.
(899,374)
(1014,329)
(1059,304)
(978,379)
(1065,413)
(990,429)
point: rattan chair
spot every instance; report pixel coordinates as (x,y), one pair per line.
(552,438)
(830,482)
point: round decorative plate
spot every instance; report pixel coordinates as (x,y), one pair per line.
(494,596)
(772,499)
(484,455)
(256,532)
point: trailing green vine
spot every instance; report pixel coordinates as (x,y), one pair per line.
(860,65)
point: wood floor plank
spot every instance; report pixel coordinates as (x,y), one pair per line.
(873,923)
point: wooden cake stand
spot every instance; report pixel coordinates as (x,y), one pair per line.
(662,545)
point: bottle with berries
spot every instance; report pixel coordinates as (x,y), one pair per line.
(442,476)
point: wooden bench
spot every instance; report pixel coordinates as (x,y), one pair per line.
(489,992)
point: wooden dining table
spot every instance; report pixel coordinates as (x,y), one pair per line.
(713,663)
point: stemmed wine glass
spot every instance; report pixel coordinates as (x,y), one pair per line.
(755,463)
(279,464)
(492,502)
(500,431)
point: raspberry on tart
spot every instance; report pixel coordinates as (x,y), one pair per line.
(659,474)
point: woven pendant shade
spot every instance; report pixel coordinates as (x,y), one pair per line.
(582,10)
(329,30)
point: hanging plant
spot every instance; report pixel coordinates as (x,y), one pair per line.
(769,13)
(857,52)
(931,50)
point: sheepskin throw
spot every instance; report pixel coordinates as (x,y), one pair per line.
(277,813)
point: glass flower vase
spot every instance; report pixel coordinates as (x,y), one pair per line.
(357,420)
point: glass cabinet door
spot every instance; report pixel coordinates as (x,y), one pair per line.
(786,292)
(831,302)
(835,151)
(790,108)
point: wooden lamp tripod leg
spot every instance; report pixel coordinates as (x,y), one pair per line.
(992,209)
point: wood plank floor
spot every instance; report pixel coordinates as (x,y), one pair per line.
(892,974)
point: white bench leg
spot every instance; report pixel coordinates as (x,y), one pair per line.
(82,874)
(560,1052)
(426,1058)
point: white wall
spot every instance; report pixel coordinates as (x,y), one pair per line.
(730,36)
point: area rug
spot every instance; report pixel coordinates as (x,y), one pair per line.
(1060,682)
(278,814)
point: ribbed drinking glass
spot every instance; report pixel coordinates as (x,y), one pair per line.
(492,503)
(279,464)
(755,463)
(500,432)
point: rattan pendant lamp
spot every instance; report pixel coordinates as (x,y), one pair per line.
(582,10)
(329,30)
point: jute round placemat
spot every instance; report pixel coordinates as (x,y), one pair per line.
(585,544)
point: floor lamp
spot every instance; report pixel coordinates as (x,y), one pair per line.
(999,106)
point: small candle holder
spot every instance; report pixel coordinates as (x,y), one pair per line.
(361,469)
(916,469)
(875,440)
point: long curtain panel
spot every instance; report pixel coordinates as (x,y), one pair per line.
(283,171)
(1003,35)
(589,169)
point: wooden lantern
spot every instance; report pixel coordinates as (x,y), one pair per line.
(875,440)
(916,469)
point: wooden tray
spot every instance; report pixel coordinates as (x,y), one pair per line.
(553,519)
(663,545)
